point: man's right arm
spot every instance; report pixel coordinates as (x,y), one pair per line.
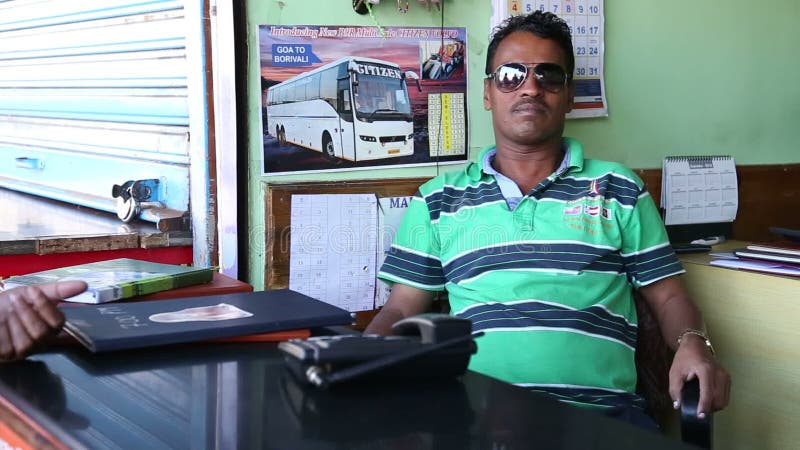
(404,301)
(28,315)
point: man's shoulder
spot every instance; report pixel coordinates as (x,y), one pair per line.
(599,168)
(457,179)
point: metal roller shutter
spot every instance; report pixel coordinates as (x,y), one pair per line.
(98,94)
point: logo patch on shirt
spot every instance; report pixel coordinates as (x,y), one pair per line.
(593,190)
(591,210)
(573,210)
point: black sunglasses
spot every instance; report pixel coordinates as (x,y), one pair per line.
(510,76)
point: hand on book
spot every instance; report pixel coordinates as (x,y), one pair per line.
(28,315)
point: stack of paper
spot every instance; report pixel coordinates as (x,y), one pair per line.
(788,248)
(786,253)
(781,258)
(759,266)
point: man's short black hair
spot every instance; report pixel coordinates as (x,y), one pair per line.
(545,25)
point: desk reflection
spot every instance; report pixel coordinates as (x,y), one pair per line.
(42,388)
(411,414)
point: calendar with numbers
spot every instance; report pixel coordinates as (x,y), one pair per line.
(586,22)
(447,124)
(333,248)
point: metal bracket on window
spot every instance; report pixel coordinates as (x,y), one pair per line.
(142,199)
(134,196)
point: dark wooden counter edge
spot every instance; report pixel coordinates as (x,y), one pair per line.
(31,426)
(101,230)
(86,243)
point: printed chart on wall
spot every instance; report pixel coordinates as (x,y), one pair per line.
(338,98)
(587,24)
(334,248)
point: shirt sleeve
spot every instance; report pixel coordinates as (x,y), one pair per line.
(413,259)
(646,251)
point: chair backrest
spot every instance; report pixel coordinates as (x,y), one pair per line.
(653,359)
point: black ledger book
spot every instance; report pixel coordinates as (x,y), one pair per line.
(121,326)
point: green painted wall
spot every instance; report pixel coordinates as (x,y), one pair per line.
(682,77)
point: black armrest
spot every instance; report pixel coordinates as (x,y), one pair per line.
(694,430)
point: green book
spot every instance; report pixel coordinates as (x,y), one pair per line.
(118,278)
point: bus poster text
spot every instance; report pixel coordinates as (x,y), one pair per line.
(293,55)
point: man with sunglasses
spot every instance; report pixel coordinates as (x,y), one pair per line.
(542,248)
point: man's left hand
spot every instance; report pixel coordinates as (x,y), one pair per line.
(694,360)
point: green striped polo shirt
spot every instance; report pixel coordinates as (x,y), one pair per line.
(549,281)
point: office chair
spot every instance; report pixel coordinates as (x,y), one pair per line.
(653,360)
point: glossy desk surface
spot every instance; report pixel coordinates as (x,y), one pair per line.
(240,396)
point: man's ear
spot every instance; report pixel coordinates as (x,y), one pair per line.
(571,94)
(487,101)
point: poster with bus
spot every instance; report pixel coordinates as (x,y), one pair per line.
(337,98)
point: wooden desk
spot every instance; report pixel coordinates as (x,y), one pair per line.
(241,396)
(752,319)
(39,234)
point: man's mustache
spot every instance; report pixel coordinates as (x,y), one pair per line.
(525,102)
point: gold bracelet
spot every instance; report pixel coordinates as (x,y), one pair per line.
(699,333)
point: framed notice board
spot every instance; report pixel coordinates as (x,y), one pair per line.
(587,25)
(278,206)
